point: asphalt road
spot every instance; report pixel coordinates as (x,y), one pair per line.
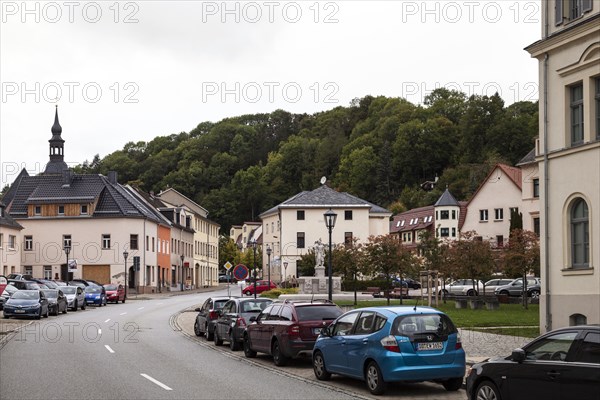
(137,350)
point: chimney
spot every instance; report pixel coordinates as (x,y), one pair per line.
(112,177)
(67,176)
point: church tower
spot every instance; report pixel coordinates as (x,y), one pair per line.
(57,146)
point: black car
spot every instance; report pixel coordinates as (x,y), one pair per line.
(57,301)
(233,318)
(24,285)
(226,278)
(561,364)
(207,315)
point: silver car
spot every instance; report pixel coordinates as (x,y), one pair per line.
(464,287)
(75,297)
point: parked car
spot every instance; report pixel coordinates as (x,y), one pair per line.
(115,292)
(493,284)
(391,344)
(27,303)
(24,285)
(19,277)
(463,287)
(95,295)
(288,329)
(57,301)
(561,364)
(6,293)
(3,283)
(207,315)
(47,282)
(233,318)
(58,282)
(226,278)
(75,297)
(412,284)
(515,288)
(261,286)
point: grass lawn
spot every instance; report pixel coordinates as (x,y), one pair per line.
(513,318)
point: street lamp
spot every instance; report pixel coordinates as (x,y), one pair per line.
(66,270)
(285,273)
(330,218)
(269,265)
(182,257)
(253,244)
(125,255)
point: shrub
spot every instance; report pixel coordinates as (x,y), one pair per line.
(275,293)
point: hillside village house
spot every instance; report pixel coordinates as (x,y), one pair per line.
(10,238)
(530,192)
(292,227)
(568,154)
(243,234)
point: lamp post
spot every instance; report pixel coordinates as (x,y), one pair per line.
(269,265)
(66,270)
(253,244)
(285,264)
(182,257)
(330,218)
(125,255)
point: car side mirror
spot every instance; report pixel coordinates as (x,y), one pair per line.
(518,355)
(326,332)
(252,319)
(197,309)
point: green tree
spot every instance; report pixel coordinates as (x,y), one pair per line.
(472,257)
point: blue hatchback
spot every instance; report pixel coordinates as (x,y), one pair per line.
(391,344)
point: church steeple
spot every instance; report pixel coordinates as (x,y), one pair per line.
(57,147)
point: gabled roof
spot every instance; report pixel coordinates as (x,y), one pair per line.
(324,196)
(415,219)
(513,174)
(6,220)
(446,199)
(528,159)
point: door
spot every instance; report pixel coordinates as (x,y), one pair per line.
(336,359)
(582,376)
(357,343)
(256,330)
(98,273)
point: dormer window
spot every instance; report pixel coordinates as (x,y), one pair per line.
(84,209)
(37,210)
(61,210)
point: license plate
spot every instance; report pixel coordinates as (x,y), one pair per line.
(317,331)
(430,346)
(20,311)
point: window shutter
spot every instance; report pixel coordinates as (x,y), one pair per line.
(586,5)
(558,12)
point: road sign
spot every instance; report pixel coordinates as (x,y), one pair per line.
(240,272)
(228,265)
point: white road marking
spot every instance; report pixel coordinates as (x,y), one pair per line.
(109,349)
(99,332)
(159,304)
(151,379)
(107,320)
(123,313)
(141,308)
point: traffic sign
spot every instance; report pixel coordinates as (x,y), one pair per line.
(228,265)
(240,272)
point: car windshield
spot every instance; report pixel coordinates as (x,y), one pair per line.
(220,303)
(51,294)
(317,313)
(93,289)
(254,306)
(410,325)
(69,289)
(26,294)
(110,287)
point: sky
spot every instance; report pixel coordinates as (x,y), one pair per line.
(134,70)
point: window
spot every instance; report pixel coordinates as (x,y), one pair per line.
(348,238)
(498,214)
(569,10)
(133,242)
(576,114)
(147,242)
(499,240)
(597,96)
(577,319)
(66,241)
(343,326)
(544,348)
(84,209)
(483,215)
(300,215)
(580,234)
(47,272)
(364,325)
(29,243)
(28,270)
(444,214)
(61,210)
(453,214)
(37,210)
(444,232)
(589,352)
(536,226)
(536,188)
(2,241)
(106,241)
(453,232)
(12,240)
(348,215)
(300,240)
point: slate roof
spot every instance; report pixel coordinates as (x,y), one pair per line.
(324,196)
(421,218)
(6,220)
(446,199)
(528,159)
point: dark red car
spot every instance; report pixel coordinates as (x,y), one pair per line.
(261,286)
(288,329)
(114,293)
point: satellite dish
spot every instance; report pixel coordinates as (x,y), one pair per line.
(323,180)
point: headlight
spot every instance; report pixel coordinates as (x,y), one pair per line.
(96,297)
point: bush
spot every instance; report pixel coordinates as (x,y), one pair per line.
(275,293)
(361,286)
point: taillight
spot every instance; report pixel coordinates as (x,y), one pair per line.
(240,321)
(213,314)
(389,343)
(294,330)
(458,342)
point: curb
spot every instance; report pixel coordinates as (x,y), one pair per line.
(10,334)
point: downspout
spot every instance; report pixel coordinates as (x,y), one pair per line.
(144,255)
(546,200)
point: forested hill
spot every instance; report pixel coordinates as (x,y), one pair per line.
(380,149)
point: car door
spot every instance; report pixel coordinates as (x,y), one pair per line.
(269,327)
(221,322)
(358,342)
(203,314)
(539,374)
(582,376)
(334,352)
(255,331)
(80,296)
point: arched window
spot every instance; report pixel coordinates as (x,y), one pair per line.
(577,319)
(580,234)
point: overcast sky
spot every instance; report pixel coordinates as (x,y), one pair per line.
(131,71)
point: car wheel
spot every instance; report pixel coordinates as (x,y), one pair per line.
(487,391)
(6,316)
(39,316)
(278,357)
(65,309)
(47,312)
(197,329)
(374,379)
(83,306)
(218,340)
(247,293)
(452,385)
(319,367)
(209,335)
(233,344)
(471,292)
(443,292)
(535,294)
(248,352)
(76,306)
(504,292)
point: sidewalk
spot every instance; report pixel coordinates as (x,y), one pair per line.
(167,293)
